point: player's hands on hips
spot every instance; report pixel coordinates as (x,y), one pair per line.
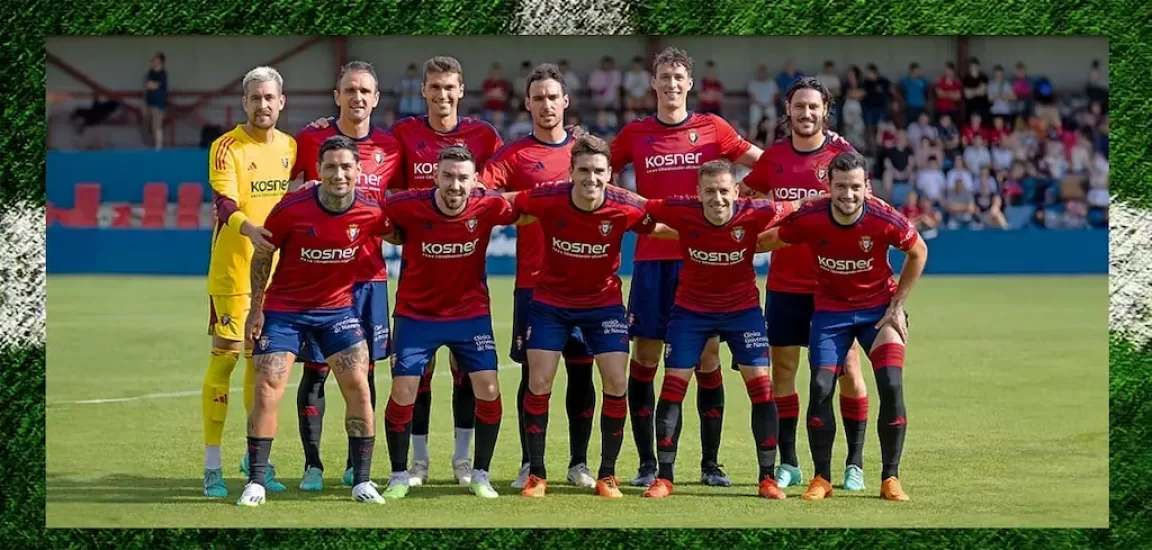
(896,319)
(320,123)
(258,235)
(254,325)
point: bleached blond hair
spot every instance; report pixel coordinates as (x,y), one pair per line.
(263,74)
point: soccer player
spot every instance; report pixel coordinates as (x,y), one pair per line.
(583,224)
(667,150)
(320,231)
(792,168)
(717,294)
(856,300)
(542,158)
(443,301)
(248,169)
(357,94)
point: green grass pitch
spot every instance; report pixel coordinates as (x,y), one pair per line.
(1006,386)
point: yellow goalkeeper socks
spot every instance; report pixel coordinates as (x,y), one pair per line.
(214,394)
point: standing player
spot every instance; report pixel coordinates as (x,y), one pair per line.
(583,225)
(248,169)
(667,150)
(543,158)
(857,300)
(357,94)
(443,301)
(793,168)
(320,231)
(717,295)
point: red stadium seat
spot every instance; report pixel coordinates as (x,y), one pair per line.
(188,204)
(123,216)
(155,204)
(86,205)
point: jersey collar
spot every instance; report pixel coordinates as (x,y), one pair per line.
(316,197)
(567,138)
(863,214)
(814,151)
(368,136)
(687,117)
(428,123)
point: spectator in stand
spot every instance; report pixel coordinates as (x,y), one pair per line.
(520,127)
(1046,105)
(831,81)
(628,116)
(1022,90)
(914,90)
(517,92)
(1055,163)
(999,130)
(921,128)
(877,96)
(410,102)
(605,125)
(711,93)
(986,177)
(1001,96)
(1098,191)
(1097,88)
(977,155)
(762,96)
(784,80)
(975,127)
(949,139)
(573,120)
(571,83)
(898,165)
(497,91)
(1081,158)
(949,93)
(499,120)
(923,215)
(638,87)
(989,205)
(976,90)
(156,98)
(604,84)
(930,181)
(1102,137)
(960,174)
(1014,192)
(852,124)
(926,148)
(1003,155)
(960,205)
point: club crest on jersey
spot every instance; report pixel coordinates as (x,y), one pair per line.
(822,174)
(693,136)
(263,342)
(284,161)
(471,224)
(866,243)
(353,232)
(738,234)
(605,228)
(379,157)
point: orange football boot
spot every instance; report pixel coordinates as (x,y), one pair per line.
(608,487)
(891,490)
(769,489)
(534,487)
(659,489)
(818,489)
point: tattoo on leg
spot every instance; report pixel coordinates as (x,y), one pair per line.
(350,360)
(274,366)
(356,427)
(251,424)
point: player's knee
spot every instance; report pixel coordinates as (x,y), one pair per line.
(404,389)
(710,358)
(225,344)
(647,352)
(486,388)
(823,383)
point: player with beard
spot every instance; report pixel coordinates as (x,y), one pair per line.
(856,300)
(421,140)
(357,94)
(667,150)
(796,167)
(543,158)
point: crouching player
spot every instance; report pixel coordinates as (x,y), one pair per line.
(857,300)
(320,231)
(717,295)
(443,300)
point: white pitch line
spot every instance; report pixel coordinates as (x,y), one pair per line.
(169,395)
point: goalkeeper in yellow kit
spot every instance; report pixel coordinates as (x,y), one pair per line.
(249,168)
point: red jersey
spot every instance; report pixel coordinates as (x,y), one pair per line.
(582,249)
(521,166)
(379,163)
(444,259)
(853,264)
(787,174)
(969,133)
(420,146)
(319,249)
(947,85)
(667,158)
(718,276)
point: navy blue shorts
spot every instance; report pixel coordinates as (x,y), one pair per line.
(470,341)
(743,331)
(789,318)
(334,330)
(651,297)
(834,331)
(370,300)
(549,328)
(575,351)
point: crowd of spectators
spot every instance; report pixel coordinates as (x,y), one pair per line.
(953,150)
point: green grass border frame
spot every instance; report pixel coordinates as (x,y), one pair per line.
(22,175)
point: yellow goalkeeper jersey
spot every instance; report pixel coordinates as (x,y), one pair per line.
(248,179)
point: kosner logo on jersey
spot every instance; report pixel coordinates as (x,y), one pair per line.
(672,161)
(844,267)
(327,255)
